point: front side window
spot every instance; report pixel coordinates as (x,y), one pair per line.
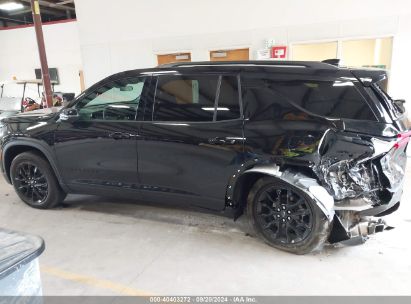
(116,100)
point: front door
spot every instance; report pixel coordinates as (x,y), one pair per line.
(98,151)
(191,142)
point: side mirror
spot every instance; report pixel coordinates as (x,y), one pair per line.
(69,115)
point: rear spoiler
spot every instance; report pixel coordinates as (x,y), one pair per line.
(368,77)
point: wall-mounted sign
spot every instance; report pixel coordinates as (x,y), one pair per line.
(279,52)
(263,54)
(182,57)
(219,54)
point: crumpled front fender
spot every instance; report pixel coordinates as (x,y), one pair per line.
(308,185)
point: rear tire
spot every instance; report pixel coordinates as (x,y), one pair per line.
(285,217)
(35,182)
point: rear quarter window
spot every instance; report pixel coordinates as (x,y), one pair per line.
(333,99)
(280,99)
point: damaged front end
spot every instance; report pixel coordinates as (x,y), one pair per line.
(365,184)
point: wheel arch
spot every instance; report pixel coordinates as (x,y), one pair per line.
(297,178)
(14,148)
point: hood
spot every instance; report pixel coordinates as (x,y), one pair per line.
(37,115)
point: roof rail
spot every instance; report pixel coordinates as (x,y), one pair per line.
(271,63)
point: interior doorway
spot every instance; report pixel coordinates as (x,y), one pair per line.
(176,57)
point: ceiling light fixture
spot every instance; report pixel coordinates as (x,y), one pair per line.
(11,6)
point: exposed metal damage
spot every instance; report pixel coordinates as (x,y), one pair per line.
(359,185)
(355,181)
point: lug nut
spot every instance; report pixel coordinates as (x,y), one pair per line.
(283,207)
(288,218)
(278,215)
(283,220)
(289,212)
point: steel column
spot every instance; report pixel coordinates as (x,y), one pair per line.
(35,7)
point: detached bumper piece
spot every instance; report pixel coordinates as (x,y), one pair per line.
(357,233)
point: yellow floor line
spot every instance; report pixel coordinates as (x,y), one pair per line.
(105,284)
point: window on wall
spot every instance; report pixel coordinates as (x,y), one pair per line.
(367,53)
(374,52)
(314,51)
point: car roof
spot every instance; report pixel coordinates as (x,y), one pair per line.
(253,63)
(327,68)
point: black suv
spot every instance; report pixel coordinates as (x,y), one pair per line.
(311,152)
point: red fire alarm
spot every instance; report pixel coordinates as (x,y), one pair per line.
(279,52)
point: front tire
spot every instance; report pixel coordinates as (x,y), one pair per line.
(285,217)
(35,182)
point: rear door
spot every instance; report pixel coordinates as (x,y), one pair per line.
(191,141)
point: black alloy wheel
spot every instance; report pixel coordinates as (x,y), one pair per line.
(35,181)
(286,217)
(31,183)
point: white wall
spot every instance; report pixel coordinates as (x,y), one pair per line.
(19,55)
(126,34)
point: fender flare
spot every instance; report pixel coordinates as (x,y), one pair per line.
(308,185)
(38,145)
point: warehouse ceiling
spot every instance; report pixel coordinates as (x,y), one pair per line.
(18,12)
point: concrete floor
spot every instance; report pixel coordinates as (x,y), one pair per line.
(98,246)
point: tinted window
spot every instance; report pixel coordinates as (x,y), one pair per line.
(334,99)
(228,101)
(117,100)
(185,98)
(262,102)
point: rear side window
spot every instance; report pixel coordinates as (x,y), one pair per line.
(185,98)
(282,99)
(228,106)
(196,98)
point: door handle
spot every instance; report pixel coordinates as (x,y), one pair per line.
(119,135)
(222,141)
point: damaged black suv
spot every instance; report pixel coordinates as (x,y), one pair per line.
(311,152)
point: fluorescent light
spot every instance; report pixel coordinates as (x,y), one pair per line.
(212,109)
(172,124)
(11,6)
(119,106)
